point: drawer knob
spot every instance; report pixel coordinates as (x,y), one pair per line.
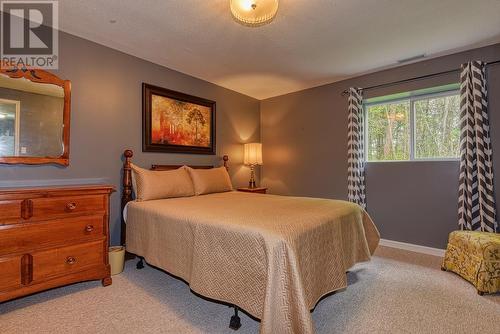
(89,228)
(71,206)
(70,260)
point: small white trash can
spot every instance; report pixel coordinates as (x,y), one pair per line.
(116,259)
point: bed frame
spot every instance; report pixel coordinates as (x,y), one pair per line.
(235,322)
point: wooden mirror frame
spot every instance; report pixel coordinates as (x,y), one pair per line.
(41,76)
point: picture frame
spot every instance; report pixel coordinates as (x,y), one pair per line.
(175,122)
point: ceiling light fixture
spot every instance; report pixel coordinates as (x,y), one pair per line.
(254,13)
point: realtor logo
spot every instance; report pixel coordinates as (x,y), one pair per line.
(29,33)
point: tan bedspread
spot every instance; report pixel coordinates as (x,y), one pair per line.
(273,256)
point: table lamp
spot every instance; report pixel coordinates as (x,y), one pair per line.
(252,158)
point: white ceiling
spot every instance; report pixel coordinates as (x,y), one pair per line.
(309,43)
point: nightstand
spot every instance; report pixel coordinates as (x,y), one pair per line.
(257,190)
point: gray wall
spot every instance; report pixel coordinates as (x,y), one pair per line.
(304,137)
(106,118)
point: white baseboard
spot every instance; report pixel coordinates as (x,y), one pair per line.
(412,247)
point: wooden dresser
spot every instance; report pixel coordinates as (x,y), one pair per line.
(52,236)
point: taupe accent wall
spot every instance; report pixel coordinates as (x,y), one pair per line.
(304,137)
(106,118)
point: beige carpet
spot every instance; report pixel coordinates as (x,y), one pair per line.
(397,292)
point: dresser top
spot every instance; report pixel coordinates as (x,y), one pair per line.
(59,189)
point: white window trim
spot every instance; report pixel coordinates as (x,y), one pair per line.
(412,100)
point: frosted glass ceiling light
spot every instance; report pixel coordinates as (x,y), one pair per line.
(254,13)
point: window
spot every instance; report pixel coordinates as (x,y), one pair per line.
(418,125)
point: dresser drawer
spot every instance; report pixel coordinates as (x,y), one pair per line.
(10,210)
(47,207)
(10,272)
(24,237)
(67,260)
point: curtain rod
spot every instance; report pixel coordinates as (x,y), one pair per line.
(346,92)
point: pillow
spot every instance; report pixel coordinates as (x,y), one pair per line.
(213,180)
(150,184)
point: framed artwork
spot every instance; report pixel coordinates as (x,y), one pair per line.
(175,122)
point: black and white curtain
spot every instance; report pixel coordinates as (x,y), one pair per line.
(356,152)
(476,196)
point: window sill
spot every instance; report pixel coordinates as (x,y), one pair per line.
(416,160)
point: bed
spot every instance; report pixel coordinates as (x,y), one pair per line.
(272,256)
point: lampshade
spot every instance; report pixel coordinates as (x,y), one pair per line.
(254,13)
(253,154)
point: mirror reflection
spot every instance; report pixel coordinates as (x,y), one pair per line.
(31,118)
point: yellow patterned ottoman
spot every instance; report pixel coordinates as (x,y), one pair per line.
(476,257)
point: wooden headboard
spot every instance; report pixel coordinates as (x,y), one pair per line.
(127,181)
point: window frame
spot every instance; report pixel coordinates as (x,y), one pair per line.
(412,126)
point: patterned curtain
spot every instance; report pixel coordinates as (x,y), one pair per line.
(355,151)
(476,199)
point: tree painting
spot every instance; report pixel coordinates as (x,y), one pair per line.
(195,116)
(177,122)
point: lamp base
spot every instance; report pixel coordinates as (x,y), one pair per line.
(251,183)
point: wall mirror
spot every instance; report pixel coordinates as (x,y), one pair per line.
(34,116)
